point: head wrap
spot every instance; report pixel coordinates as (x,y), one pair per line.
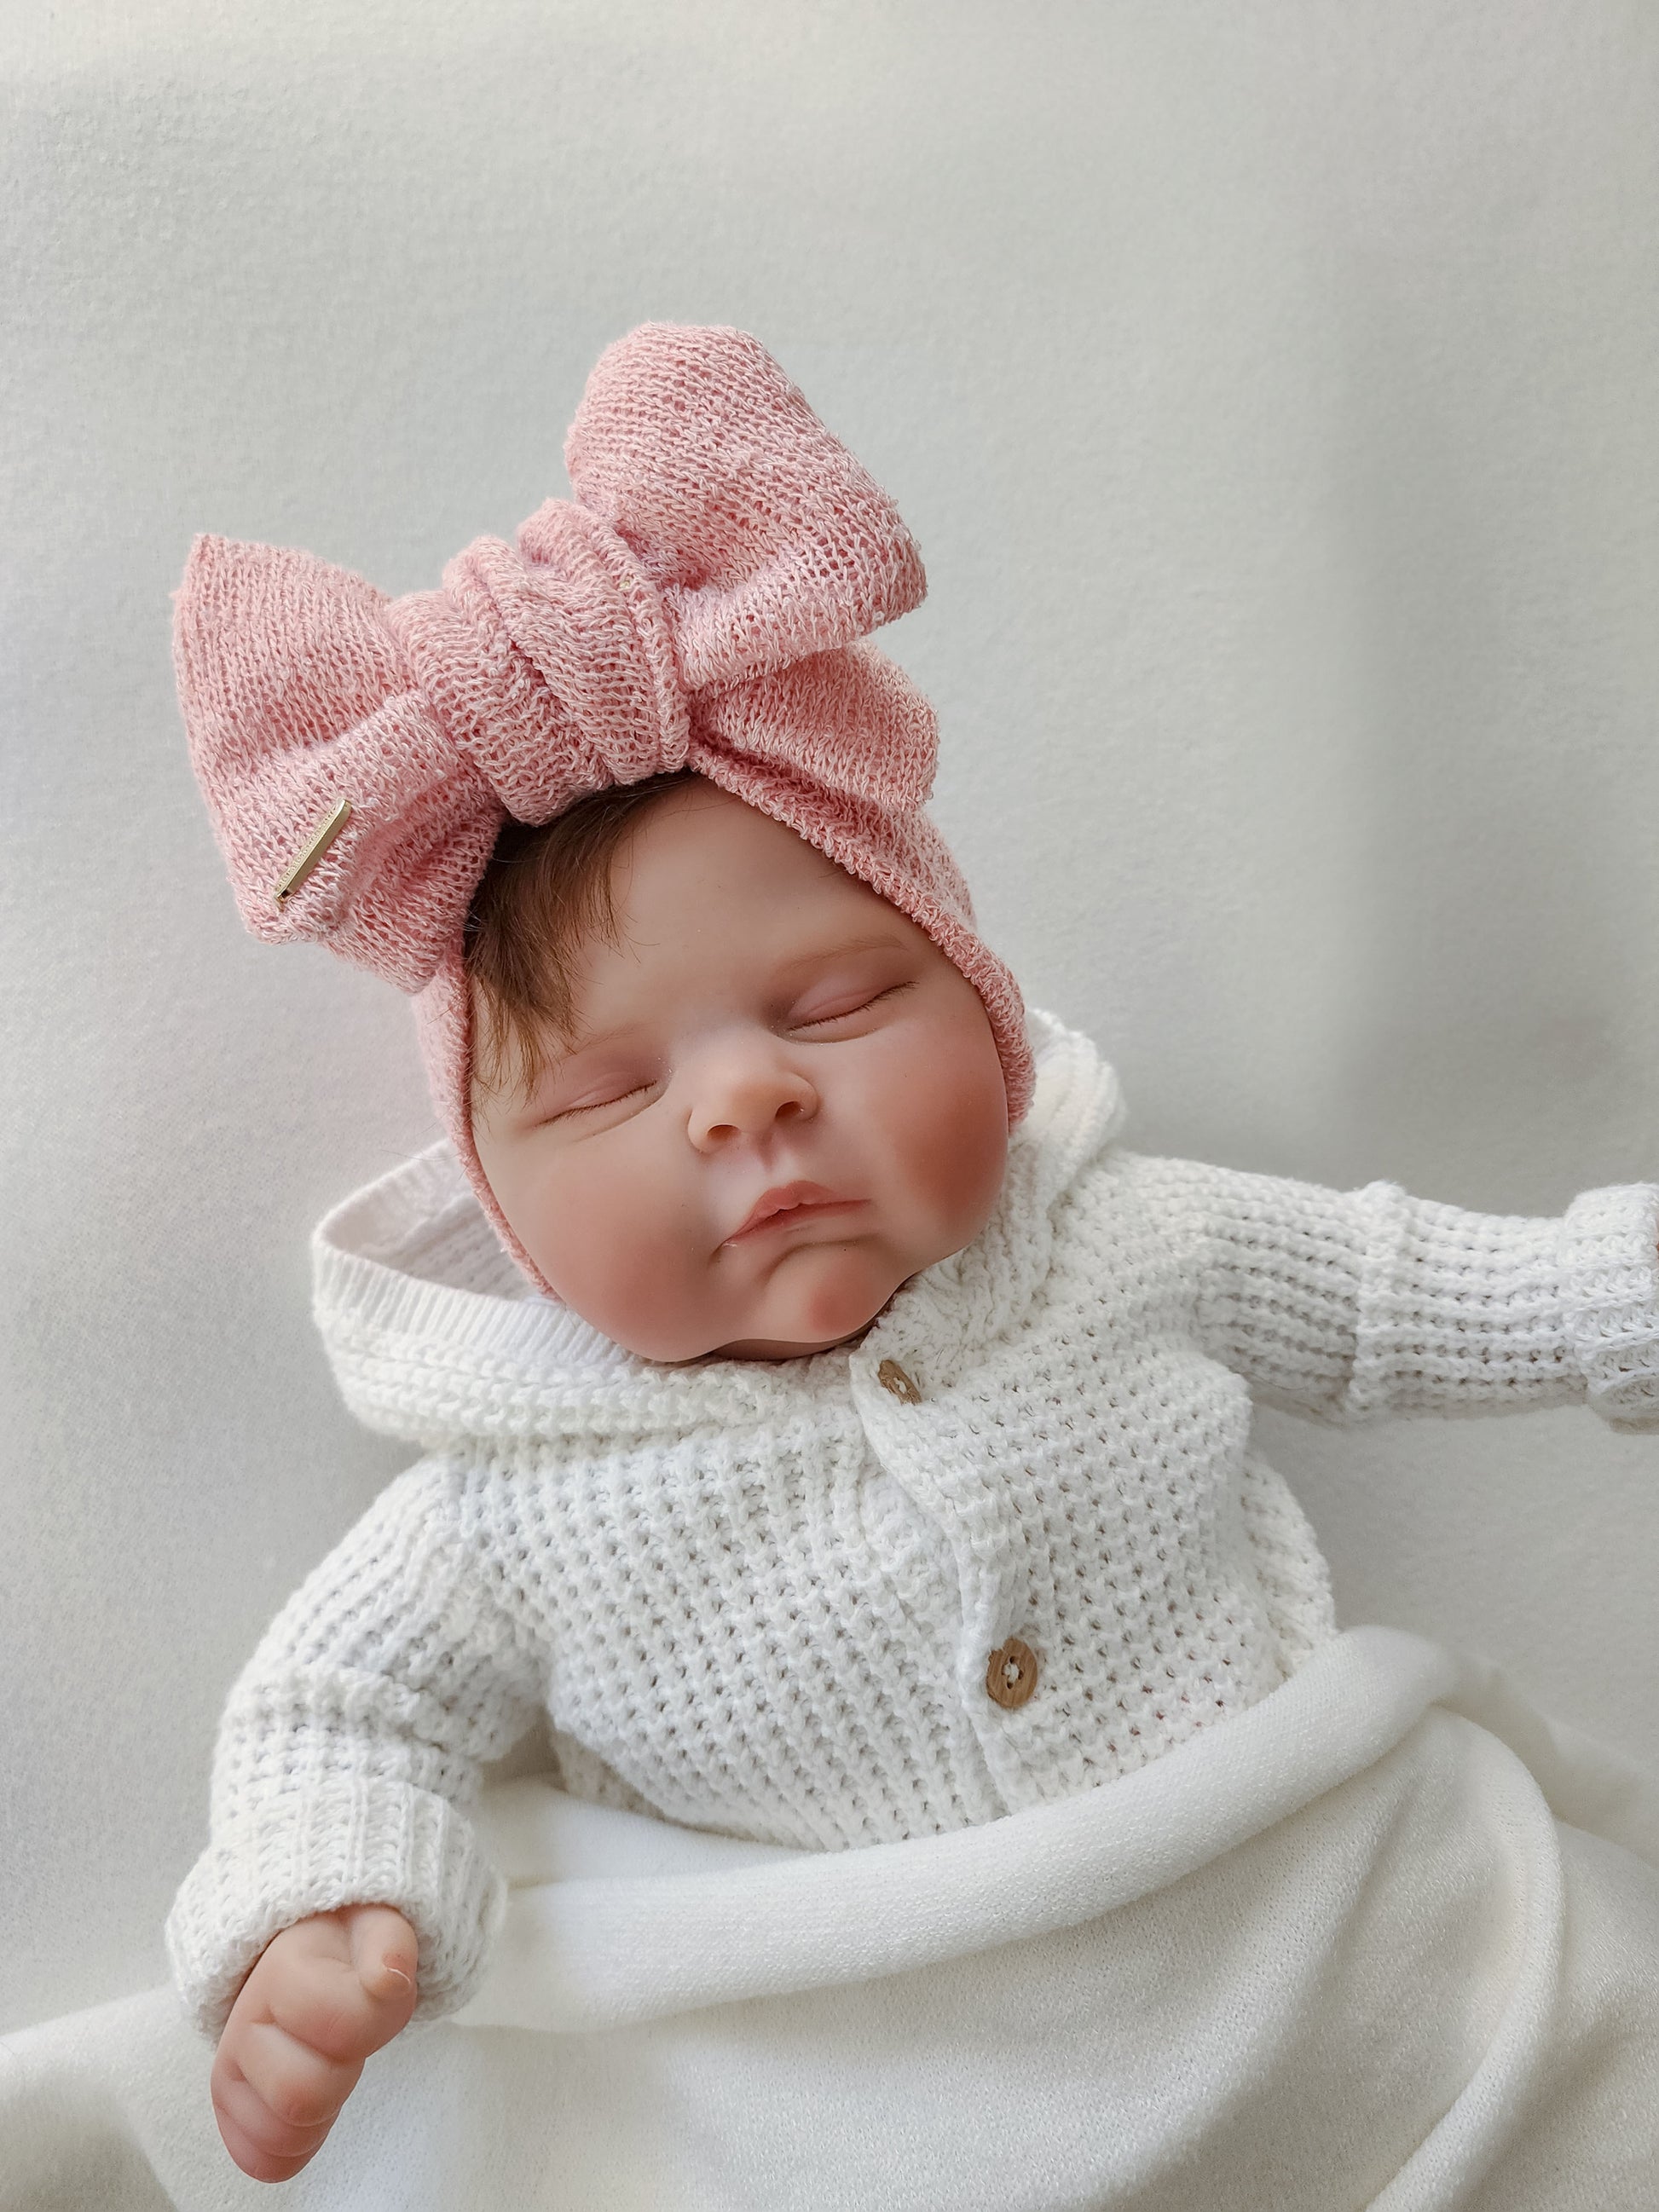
(701,603)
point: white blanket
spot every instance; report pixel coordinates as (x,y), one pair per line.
(1390,1939)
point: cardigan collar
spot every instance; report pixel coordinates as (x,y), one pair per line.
(435,1336)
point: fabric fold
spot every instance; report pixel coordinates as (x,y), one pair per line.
(1424,1982)
(591,1951)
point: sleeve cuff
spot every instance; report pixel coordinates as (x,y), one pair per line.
(374,1843)
(1610,1285)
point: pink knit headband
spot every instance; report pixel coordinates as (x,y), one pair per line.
(701,604)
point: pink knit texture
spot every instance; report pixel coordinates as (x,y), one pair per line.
(703,602)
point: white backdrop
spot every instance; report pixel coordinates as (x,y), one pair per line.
(1269,387)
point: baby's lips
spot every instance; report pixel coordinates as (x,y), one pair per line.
(783,1200)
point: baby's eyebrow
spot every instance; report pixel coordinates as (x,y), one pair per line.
(574,1041)
(876,941)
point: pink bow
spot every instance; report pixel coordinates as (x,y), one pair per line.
(700,597)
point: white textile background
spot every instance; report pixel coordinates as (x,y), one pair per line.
(1269,387)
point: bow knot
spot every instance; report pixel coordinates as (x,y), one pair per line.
(553,665)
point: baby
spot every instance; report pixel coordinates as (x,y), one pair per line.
(871,1458)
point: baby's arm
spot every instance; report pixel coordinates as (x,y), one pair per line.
(324,1995)
(349,1751)
(1349,1304)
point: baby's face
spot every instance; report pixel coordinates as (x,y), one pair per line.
(768,1029)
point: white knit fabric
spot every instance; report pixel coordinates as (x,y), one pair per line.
(760,1598)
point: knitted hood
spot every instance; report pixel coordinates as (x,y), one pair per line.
(435,1336)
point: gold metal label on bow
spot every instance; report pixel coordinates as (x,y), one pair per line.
(321,838)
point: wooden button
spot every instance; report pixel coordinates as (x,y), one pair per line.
(892,1377)
(1011,1673)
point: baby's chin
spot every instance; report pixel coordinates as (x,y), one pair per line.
(819,1299)
(823,1295)
(765,1347)
(804,1309)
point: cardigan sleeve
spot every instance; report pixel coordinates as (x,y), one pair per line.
(1350,1304)
(348,1752)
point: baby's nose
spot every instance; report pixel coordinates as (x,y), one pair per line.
(748,1100)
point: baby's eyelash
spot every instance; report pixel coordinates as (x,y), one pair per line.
(863,1007)
(597,1105)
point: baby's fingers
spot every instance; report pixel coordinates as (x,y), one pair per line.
(348,1996)
(276,2101)
(295,2084)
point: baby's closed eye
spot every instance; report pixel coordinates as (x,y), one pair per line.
(608,1094)
(860,1002)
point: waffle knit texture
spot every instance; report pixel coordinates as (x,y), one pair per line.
(760,1598)
(703,602)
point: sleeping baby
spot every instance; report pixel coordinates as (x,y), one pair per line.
(832,1434)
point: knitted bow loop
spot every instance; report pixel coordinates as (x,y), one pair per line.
(700,597)
(768,540)
(295,693)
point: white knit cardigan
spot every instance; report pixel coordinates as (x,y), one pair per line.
(760,1597)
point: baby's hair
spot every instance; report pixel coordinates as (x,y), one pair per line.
(546,890)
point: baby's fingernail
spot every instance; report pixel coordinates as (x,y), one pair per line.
(395,1974)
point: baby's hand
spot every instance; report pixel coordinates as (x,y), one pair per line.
(321,1996)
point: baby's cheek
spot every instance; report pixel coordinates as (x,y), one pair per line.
(621,1267)
(955,1144)
(597,1224)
